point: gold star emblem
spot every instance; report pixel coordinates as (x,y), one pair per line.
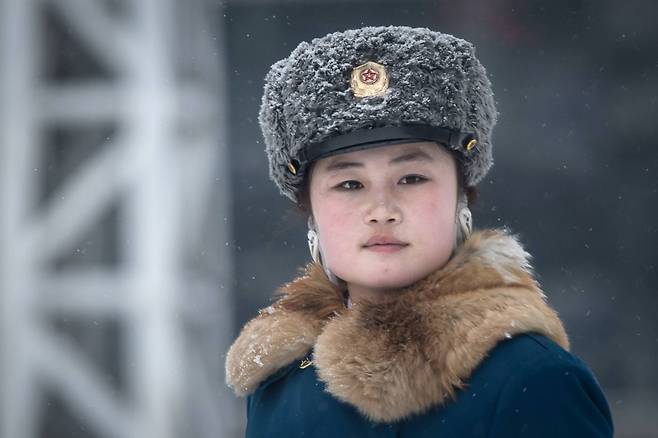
(369,76)
(369,79)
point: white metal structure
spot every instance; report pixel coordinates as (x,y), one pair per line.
(163,171)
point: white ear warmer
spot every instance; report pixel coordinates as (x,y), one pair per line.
(463,220)
(316,250)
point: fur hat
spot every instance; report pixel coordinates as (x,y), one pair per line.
(375,86)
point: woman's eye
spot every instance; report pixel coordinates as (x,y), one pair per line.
(413,179)
(349,185)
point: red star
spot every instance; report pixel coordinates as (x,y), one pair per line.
(369,76)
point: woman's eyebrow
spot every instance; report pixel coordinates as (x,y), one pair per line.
(417,155)
(412,156)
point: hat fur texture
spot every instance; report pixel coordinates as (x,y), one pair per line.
(434,79)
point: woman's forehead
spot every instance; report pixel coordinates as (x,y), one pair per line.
(390,154)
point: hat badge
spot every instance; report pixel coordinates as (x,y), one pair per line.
(369,79)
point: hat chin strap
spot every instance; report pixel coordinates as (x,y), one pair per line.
(463,230)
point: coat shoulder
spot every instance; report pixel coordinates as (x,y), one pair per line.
(547,391)
(521,357)
(527,385)
(525,353)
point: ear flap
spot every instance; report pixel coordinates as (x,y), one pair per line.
(463,220)
(316,251)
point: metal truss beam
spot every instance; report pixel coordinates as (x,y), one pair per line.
(159,169)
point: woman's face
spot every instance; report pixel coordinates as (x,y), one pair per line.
(385,215)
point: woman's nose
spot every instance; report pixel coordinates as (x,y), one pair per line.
(383,211)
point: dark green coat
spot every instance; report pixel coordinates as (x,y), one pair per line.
(472,350)
(527,387)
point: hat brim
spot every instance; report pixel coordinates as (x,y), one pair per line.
(376,137)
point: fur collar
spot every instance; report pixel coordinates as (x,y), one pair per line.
(397,359)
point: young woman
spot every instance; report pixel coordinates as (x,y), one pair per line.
(407,323)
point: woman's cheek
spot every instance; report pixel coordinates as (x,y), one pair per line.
(338,230)
(433,211)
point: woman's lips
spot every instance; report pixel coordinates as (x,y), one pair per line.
(384,243)
(389,247)
(382,239)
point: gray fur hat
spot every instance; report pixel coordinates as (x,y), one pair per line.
(374,86)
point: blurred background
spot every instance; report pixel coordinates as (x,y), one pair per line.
(139,230)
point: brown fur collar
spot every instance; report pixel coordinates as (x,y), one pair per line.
(400,358)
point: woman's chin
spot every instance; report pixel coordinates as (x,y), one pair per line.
(384,276)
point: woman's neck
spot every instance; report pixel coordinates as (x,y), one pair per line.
(358,293)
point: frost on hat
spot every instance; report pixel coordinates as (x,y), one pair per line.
(363,86)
